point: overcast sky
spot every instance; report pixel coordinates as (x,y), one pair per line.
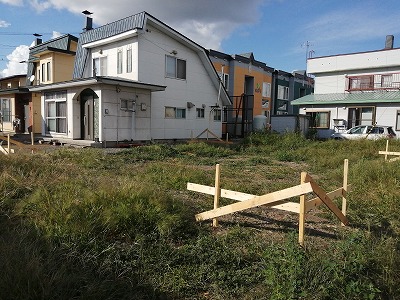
(276,31)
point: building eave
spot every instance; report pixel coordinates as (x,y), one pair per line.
(98,80)
(349,98)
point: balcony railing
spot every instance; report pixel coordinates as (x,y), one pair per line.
(390,81)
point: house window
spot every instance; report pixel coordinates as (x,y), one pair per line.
(48,67)
(361,82)
(266,89)
(386,80)
(361,116)
(319,119)
(200,113)
(225,80)
(100,66)
(5,110)
(56,112)
(283,92)
(119,61)
(398,120)
(282,107)
(128,104)
(129,60)
(43,73)
(175,113)
(217,114)
(175,67)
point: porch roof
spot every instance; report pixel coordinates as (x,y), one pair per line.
(349,98)
(98,80)
(19,90)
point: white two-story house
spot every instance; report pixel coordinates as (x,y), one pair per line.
(354,89)
(135,79)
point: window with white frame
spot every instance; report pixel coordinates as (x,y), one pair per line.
(398,120)
(266,89)
(225,79)
(283,92)
(217,114)
(5,110)
(129,60)
(48,70)
(319,119)
(100,66)
(119,61)
(175,67)
(175,113)
(200,113)
(56,111)
(43,66)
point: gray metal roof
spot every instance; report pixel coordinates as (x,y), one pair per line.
(347,98)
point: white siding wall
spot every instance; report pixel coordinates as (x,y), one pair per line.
(197,88)
(357,61)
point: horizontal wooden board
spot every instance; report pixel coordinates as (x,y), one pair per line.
(389,153)
(275,198)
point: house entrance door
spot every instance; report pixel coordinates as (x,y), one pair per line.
(27,118)
(87,109)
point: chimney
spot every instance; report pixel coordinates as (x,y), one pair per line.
(389,42)
(38,41)
(89,24)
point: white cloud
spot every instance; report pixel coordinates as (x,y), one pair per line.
(14,65)
(40,6)
(206,22)
(4,24)
(56,34)
(12,2)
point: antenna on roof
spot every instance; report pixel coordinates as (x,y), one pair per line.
(309,54)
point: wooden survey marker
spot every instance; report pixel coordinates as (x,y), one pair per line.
(278,200)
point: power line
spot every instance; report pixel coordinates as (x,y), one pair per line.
(27,34)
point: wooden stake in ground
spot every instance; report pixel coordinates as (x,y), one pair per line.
(387,149)
(302,212)
(217,194)
(344,200)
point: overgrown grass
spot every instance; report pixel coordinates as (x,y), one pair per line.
(88,224)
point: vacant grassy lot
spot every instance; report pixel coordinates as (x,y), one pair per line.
(94,224)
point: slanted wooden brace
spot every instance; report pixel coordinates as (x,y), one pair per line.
(276,199)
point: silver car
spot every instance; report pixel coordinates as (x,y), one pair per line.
(368,132)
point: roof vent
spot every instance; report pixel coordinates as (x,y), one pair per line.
(389,42)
